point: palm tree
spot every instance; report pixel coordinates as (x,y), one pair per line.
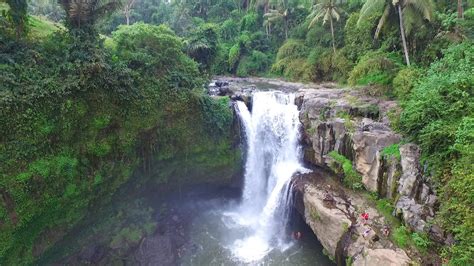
(409,12)
(127,9)
(279,11)
(274,15)
(460,9)
(80,13)
(327,10)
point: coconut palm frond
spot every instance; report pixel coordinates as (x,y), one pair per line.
(103,8)
(335,14)
(87,11)
(382,21)
(371,7)
(424,7)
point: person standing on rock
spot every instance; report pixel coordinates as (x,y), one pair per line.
(365,218)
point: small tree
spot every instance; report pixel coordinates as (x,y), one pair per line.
(202,45)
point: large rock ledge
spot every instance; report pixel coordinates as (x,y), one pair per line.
(332,211)
(358,128)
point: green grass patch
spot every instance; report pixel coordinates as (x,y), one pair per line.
(344,166)
(348,124)
(392,151)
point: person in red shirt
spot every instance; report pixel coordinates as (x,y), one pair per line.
(365,218)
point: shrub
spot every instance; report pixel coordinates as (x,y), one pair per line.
(351,179)
(293,69)
(401,236)
(234,56)
(357,37)
(157,51)
(250,22)
(319,63)
(439,102)
(291,60)
(292,49)
(227,30)
(404,81)
(421,241)
(438,115)
(374,68)
(340,67)
(257,62)
(201,45)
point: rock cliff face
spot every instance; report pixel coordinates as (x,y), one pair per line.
(357,127)
(332,213)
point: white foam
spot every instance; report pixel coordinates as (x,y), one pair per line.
(273,156)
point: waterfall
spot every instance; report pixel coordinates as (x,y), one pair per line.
(273,156)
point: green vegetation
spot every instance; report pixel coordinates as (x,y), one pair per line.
(439,116)
(421,241)
(77,121)
(80,112)
(392,151)
(404,239)
(401,236)
(344,166)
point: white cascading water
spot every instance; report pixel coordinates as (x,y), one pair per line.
(273,156)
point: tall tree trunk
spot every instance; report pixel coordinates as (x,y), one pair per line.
(332,34)
(402,32)
(286,28)
(127,17)
(460,9)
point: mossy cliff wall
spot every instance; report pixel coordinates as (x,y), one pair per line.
(63,156)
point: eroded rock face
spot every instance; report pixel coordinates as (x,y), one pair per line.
(368,146)
(332,213)
(337,120)
(410,162)
(357,127)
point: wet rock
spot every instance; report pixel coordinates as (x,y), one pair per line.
(224,91)
(385,257)
(156,250)
(221,83)
(332,214)
(449,240)
(92,254)
(175,218)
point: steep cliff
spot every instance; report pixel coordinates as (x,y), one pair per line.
(357,127)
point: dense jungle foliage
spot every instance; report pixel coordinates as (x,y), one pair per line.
(81,90)
(77,119)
